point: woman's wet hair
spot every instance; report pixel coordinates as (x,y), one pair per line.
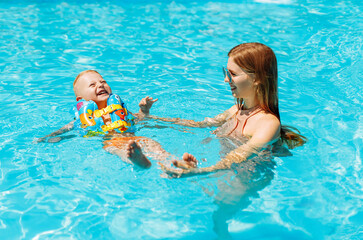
(260,60)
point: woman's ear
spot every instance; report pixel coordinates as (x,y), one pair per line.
(255,81)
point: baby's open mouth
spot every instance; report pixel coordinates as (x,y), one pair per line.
(102,92)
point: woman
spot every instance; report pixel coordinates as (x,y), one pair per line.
(252,75)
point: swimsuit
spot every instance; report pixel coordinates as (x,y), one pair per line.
(252,113)
(234,125)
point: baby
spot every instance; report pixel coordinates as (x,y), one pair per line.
(90,86)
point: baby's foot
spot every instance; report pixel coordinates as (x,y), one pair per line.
(189,161)
(135,155)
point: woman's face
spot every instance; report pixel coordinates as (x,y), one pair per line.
(242,84)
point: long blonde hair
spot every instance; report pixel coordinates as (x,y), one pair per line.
(260,60)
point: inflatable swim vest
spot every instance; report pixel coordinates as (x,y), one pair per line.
(89,118)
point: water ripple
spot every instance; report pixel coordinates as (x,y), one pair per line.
(174,51)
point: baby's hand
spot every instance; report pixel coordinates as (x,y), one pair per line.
(145,104)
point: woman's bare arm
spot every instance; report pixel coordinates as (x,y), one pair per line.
(238,155)
(267,132)
(207,122)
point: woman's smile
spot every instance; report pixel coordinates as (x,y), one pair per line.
(233,88)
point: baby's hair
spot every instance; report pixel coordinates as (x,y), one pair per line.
(82,73)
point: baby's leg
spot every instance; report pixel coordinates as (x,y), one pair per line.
(129,150)
(153,149)
(135,155)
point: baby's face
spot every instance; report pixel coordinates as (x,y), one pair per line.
(91,86)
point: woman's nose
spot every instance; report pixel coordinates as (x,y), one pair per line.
(226,79)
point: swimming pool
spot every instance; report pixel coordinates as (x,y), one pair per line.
(174,51)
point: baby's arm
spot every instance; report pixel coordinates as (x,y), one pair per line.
(145,105)
(60,131)
(207,122)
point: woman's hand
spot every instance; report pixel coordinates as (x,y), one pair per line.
(185,167)
(145,104)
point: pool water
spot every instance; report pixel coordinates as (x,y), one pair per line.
(174,50)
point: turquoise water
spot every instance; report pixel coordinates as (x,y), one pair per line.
(174,51)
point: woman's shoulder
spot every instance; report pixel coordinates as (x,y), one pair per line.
(227,114)
(232,110)
(269,119)
(266,128)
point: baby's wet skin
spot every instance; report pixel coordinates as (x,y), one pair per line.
(135,155)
